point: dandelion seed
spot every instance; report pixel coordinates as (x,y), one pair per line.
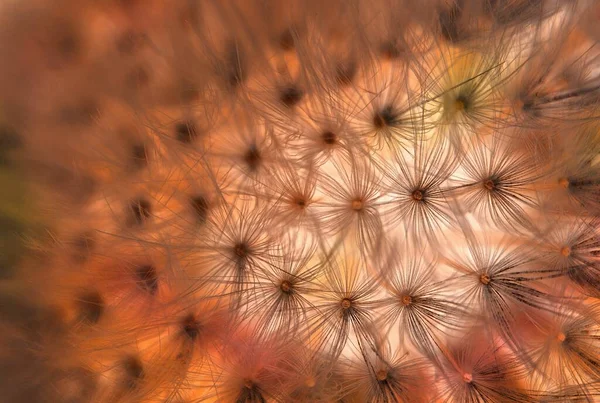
(352,210)
(481,372)
(416,196)
(417,305)
(382,376)
(504,280)
(344,306)
(499,185)
(562,349)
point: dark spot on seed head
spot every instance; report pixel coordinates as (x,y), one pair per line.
(138,77)
(91,307)
(418,195)
(139,157)
(134,371)
(129,42)
(329,138)
(286,287)
(250,393)
(529,105)
(382,376)
(253,158)
(462,103)
(347,306)
(10,141)
(82,246)
(386,116)
(191,326)
(235,66)
(69,45)
(241,250)
(188,92)
(83,113)
(200,207)
(286,40)
(300,202)
(290,96)
(147,278)
(140,211)
(490,184)
(390,50)
(185,132)
(345,73)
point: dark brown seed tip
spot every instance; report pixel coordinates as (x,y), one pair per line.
(418,195)
(147,278)
(134,371)
(185,132)
(200,207)
(329,138)
(91,307)
(140,210)
(290,96)
(253,158)
(191,326)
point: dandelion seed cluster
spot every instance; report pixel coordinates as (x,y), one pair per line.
(300,201)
